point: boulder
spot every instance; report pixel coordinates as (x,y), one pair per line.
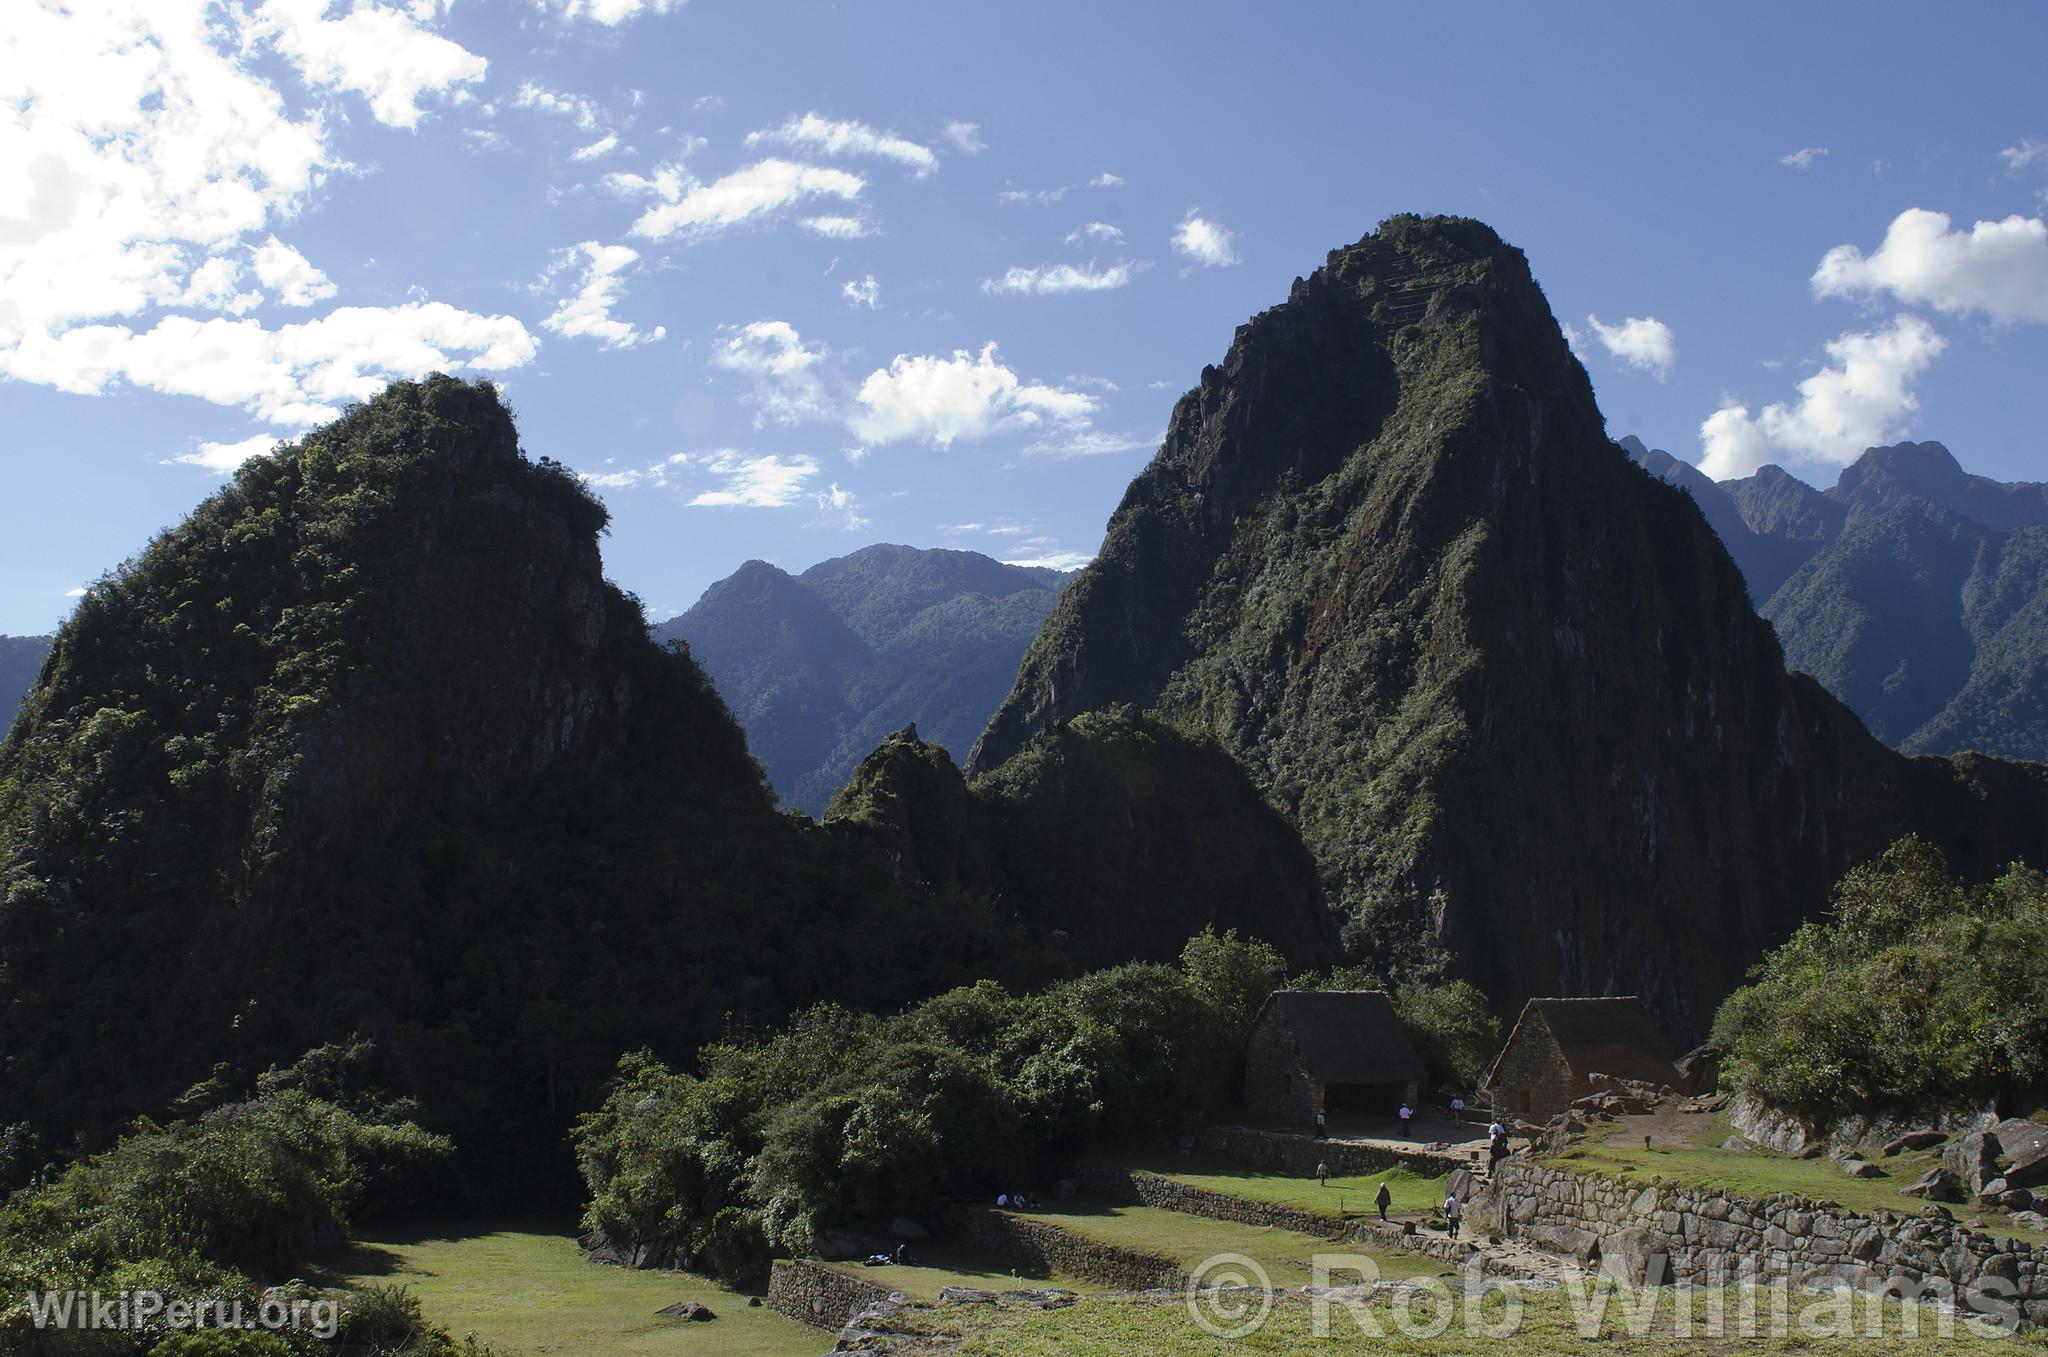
(1737,1144)
(2016,1199)
(2032,1220)
(1633,1256)
(1974,1159)
(1993,1190)
(687,1309)
(1937,1185)
(2024,1147)
(1862,1168)
(1914,1140)
(1582,1246)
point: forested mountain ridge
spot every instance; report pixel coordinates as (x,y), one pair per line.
(1914,591)
(368,746)
(820,667)
(1511,690)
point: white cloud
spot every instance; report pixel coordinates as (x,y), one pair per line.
(764,482)
(1804,157)
(1857,402)
(1106,180)
(293,375)
(603,146)
(1054,560)
(588,312)
(760,188)
(1094,230)
(75,591)
(222,458)
(837,228)
(1997,267)
(787,374)
(862,292)
(966,396)
(812,132)
(290,275)
(845,506)
(1641,342)
(1044,195)
(2024,154)
(583,112)
(134,145)
(212,287)
(379,51)
(611,13)
(966,136)
(1051,278)
(1205,242)
(1087,443)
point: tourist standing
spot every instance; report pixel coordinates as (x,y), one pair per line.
(1407,1112)
(1451,1214)
(1383,1200)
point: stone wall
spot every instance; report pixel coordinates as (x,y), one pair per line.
(1277,1086)
(1040,1247)
(1533,1061)
(1149,1189)
(1705,1237)
(1291,1153)
(822,1297)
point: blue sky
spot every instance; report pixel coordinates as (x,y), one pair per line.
(788,278)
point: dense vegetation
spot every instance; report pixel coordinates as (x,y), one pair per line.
(1915,592)
(1510,690)
(1915,991)
(818,667)
(1120,835)
(367,745)
(848,1120)
(215,1208)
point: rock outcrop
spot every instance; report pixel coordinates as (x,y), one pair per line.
(1511,690)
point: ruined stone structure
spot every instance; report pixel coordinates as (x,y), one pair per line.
(1661,1232)
(1558,1045)
(823,1297)
(1330,1051)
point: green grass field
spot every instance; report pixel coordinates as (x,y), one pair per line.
(1190,1240)
(1549,1324)
(1761,1173)
(1344,1197)
(524,1288)
(938,1267)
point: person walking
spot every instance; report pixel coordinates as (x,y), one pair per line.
(1322,1174)
(1407,1112)
(1383,1200)
(1451,1215)
(1457,1108)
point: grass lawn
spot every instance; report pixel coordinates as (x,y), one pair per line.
(1189,1240)
(1549,1325)
(524,1288)
(938,1267)
(1344,1197)
(1760,1173)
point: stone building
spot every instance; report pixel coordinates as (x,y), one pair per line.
(1559,1044)
(1330,1051)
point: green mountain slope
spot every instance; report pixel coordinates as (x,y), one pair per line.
(821,666)
(1910,588)
(368,745)
(1511,690)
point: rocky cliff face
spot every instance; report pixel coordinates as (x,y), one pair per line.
(1511,690)
(369,746)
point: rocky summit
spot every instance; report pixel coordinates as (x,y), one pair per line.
(1510,689)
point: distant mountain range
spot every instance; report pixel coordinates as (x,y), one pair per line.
(21,658)
(1914,591)
(819,667)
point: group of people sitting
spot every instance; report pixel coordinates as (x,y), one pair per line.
(1016,1201)
(896,1257)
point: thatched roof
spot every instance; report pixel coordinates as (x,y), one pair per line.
(1612,1035)
(1346,1036)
